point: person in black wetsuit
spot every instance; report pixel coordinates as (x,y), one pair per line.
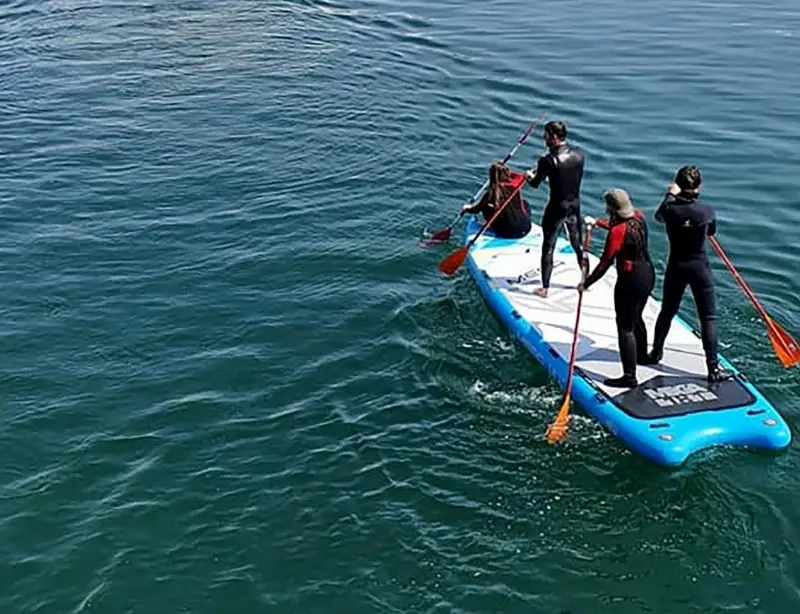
(514,222)
(627,244)
(562,166)
(688,222)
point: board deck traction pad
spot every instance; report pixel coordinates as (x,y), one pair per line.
(674,412)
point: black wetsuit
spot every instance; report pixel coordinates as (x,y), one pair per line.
(514,221)
(627,244)
(688,222)
(562,166)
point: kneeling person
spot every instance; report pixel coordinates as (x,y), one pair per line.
(627,244)
(514,221)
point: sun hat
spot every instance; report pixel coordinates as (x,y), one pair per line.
(619,202)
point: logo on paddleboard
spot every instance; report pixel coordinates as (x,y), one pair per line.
(680,394)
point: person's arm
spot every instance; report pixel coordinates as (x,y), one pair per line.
(663,207)
(542,170)
(477,207)
(667,201)
(589,221)
(712,223)
(614,242)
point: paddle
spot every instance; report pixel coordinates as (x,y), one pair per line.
(444,234)
(455,259)
(786,348)
(557,430)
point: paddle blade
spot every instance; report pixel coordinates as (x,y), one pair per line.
(450,264)
(442,235)
(437,238)
(558,430)
(786,348)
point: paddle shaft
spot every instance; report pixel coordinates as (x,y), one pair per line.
(509,155)
(718,248)
(574,349)
(558,429)
(786,348)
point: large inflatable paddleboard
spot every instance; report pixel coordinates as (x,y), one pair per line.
(674,412)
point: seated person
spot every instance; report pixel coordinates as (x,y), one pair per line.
(514,221)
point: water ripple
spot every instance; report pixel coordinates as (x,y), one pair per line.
(231,376)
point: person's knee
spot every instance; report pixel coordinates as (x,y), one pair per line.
(548,246)
(625,322)
(708,318)
(626,338)
(666,314)
(706,307)
(625,328)
(669,308)
(671,302)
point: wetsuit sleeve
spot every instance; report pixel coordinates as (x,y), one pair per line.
(481,205)
(614,242)
(712,224)
(542,171)
(517,179)
(663,207)
(601,224)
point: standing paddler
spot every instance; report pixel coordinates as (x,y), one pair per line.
(688,223)
(562,166)
(627,246)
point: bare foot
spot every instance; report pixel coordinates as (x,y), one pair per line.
(542,292)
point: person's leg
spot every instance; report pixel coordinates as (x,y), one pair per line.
(701,283)
(647,279)
(674,287)
(625,306)
(575,231)
(551,224)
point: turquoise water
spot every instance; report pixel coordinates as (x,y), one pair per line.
(233,382)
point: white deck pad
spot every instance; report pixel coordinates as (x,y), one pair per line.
(598,351)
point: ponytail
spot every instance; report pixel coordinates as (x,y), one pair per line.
(498,173)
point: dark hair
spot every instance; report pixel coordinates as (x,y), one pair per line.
(498,173)
(556,129)
(688,178)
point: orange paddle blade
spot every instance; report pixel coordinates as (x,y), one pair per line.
(450,264)
(558,430)
(786,348)
(442,235)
